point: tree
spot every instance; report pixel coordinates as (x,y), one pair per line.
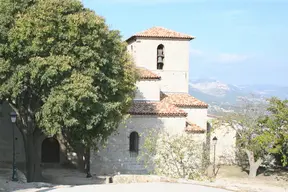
(173,155)
(245,121)
(276,124)
(63,71)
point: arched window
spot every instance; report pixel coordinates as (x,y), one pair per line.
(134,143)
(160,56)
(50,151)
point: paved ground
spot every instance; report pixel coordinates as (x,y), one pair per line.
(141,187)
(229,178)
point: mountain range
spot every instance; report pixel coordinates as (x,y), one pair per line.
(223,97)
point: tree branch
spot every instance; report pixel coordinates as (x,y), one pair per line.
(13,106)
(259,162)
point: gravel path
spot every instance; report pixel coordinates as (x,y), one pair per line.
(141,187)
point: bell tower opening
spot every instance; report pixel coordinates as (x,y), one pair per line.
(160,57)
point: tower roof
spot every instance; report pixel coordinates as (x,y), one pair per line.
(147,74)
(159,108)
(161,32)
(193,128)
(182,100)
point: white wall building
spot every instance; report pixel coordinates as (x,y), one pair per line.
(162,100)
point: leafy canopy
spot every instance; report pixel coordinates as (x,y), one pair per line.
(276,128)
(62,67)
(245,121)
(174,155)
(261,128)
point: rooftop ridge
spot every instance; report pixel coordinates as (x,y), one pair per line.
(161,32)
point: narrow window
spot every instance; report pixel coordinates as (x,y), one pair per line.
(160,57)
(134,144)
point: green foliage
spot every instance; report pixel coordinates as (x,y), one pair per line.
(250,135)
(275,124)
(64,68)
(172,155)
(261,129)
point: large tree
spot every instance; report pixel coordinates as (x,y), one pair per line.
(245,121)
(63,71)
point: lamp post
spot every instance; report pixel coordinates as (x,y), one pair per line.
(13,117)
(214,141)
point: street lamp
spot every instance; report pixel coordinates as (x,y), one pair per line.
(13,117)
(214,142)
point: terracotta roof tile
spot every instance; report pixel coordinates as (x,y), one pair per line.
(193,128)
(146,74)
(156,108)
(213,116)
(182,100)
(161,32)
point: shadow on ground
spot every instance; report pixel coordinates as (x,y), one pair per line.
(50,189)
(70,177)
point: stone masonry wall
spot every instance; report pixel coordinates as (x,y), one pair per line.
(225,151)
(115,157)
(6,138)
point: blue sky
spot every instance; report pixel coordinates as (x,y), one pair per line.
(237,41)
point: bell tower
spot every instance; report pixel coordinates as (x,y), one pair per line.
(166,53)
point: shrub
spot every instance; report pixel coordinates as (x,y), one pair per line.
(173,155)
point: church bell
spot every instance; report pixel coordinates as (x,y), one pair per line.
(160,59)
(160,53)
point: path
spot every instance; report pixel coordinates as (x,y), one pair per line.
(141,187)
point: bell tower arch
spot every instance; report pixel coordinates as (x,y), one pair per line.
(160,57)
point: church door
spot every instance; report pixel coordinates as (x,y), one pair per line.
(50,151)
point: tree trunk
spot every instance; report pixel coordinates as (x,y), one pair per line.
(253,166)
(253,170)
(33,162)
(79,149)
(87,161)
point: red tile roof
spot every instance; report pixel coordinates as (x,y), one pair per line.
(161,32)
(213,116)
(156,108)
(146,74)
(182,100)
(193,128)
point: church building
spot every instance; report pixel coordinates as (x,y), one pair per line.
(162,100)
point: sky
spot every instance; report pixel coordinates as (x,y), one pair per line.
(237,41)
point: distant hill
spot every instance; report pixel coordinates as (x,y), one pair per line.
(222,97)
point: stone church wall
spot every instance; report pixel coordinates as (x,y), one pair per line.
(197,116)
(225,151)
(6,138)
(116,157)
